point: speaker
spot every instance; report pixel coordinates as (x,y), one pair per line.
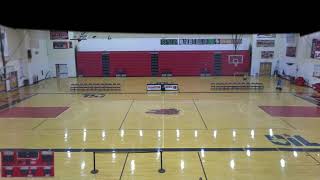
(29,54)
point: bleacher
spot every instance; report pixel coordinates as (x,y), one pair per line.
(95,87)
(235,85)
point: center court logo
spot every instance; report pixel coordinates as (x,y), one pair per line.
(171,111)
(287,140)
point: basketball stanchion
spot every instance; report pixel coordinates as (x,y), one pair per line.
(94,171)
(161,170)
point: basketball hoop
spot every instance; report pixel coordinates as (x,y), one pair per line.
(80,36)
(235,59)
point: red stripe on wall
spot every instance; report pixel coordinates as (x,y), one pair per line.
(132,63)
(185,63)
(89,64)
(193,62)
(180,63)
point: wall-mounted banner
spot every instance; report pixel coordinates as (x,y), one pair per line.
(62,44)
(315,49)
(265,43)
(59,35)
(267,54)
(291,52)
(266,35)
(199,41)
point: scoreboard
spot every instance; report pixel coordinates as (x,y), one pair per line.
(20,163)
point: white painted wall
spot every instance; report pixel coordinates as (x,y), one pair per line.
(303,63)
(256,53)
(306,63)
(19,41)
(283,59)
(62,56)
(39,62)
(17,52)
(112,35)
(151,44)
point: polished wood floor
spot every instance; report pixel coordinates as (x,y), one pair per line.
(229,119)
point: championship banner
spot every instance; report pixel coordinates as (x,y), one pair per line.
(315,49)
(291,52)
(265,43)
(267,54)
(62,44)
(199,41)
(317,54)
(266,35)
(59,35)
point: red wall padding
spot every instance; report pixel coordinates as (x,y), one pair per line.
(89,64)
(185,63)
(191,63)
(132,63)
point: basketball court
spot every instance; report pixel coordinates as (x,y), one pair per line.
(203,134)
(199,108)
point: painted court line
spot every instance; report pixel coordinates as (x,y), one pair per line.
(6,106)
(200,114)
(32,112)
(168,129)
(313,158)
(180,92)
(292,111)
(39,124)
(155,150)
(204,172)
(125,117)
(124,165)
(286,122)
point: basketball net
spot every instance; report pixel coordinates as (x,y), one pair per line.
(236,63)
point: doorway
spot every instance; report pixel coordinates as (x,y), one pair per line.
(61,70)
(265,68)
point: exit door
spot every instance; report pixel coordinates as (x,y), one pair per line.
(61,70)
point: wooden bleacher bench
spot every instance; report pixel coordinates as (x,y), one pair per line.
(96,86)
(237,85)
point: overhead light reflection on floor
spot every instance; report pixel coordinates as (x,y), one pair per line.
(232,164)
(215,134)
(252,134)
(270,132)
